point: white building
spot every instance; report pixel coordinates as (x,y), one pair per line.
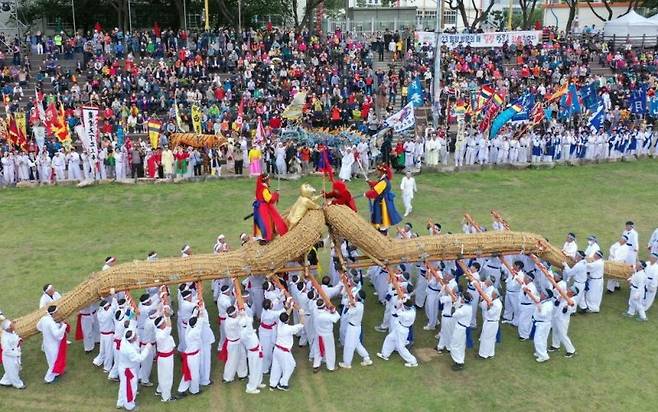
(557,14)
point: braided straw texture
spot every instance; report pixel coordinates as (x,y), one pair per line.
(348,225)
(252,258)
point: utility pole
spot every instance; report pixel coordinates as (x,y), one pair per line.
(436,107)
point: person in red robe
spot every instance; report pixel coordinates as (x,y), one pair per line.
(267,220)
(153,163)
(340,194)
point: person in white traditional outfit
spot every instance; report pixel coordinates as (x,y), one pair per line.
(570,246)
(59,165)
(280,155)
(619,252)
(346,163)
(44,166)
(23,164)
(432,151)
(409,151)
(73,160)
(11,355)
(490,323)
(53,333)
(9,168)
(130,357)
(408,188)
(165,355)
(364,158)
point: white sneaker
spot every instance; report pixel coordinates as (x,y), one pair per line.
(262,386)
(427,327)
(253,391)
(344,366)
(411,365)
(380,356)
(366,362)
(541,360)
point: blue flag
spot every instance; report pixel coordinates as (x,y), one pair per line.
(589,94)
(596,118)
(528,102)
(504,117)
(569,103)
(638,100)
(653,106)
(416,95)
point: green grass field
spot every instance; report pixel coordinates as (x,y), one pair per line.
(60,234)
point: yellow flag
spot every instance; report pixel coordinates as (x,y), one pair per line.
(21,122)
(196,118)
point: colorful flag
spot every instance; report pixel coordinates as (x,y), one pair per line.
(415,92)
(15,136)
(154,126)
(402,120)
(589,95)
(21,122)
(561,91)
(537,114)
(196,119)
(56,123)
(569,102)
(528,103)
(504,117)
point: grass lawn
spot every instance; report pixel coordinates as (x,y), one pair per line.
(60,234)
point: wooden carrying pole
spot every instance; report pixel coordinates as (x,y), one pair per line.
(342,269)
(550,278)
(474,282)
(513,271)
(498,218)
(392,277)
(469,219)
(526,289)
(274,279)
(435,273)
(318,287)
(538,264)
(237,290)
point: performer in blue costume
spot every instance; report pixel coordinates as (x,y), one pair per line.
(382,212)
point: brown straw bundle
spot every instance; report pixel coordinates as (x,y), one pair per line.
(252,258)
(348,225)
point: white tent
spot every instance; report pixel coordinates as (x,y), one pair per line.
(638,29)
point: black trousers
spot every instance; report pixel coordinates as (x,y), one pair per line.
(238,166)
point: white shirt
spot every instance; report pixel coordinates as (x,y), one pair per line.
(164,341)
(285,333)
(408,186)
(47,300)
(570,248)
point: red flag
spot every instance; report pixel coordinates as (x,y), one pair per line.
(56,123)
(15,134)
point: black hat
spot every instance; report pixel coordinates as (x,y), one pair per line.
(103,303)
(145,297)
(320,304)
(571,235)
(581,253)
(52,309)
(158,321)
(230,310)
(224,288)
(599,253)
(121,302)
(186,293)
(129,334)
(630,223)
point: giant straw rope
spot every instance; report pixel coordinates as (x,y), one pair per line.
(266,259)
